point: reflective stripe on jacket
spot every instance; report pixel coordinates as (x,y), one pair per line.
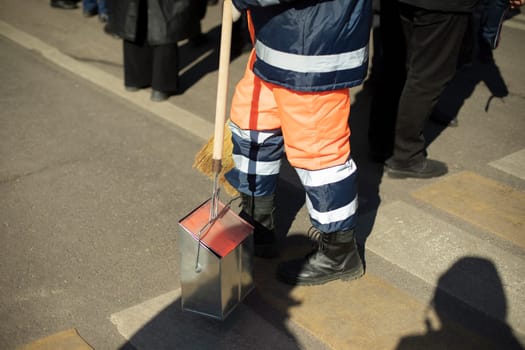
(310,45)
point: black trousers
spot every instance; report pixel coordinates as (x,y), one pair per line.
(150,65)
(433,43)
(389,63)
(156,66)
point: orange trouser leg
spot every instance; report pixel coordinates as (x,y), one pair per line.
(315,127)
(314,124)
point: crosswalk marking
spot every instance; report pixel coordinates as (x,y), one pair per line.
(365,314)
(516,22)
(513,164)
(160,324)
(428,247)
(482,202)
(68,339)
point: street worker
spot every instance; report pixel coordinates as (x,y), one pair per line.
(294,99)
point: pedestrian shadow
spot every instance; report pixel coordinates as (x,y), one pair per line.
(174,328)
(197,62)
(260,321)
(466,80)
(370,173)
(375,100)
(452,323)
(477,66)
(461,88)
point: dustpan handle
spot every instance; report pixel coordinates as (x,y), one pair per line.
(222,85)
(220,113)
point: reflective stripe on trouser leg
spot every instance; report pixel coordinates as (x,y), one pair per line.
(331,196)
(257,157)
(256,136)
(316,135)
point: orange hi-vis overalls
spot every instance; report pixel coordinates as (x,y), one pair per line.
(312,127)
(294,98)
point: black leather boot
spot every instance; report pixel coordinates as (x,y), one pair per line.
(335,257)
(259,211)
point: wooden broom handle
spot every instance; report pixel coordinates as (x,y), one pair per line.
(222,85)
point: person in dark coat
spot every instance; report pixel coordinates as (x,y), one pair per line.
(150,30)
(421,45)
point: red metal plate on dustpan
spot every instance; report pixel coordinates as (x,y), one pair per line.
(224,235)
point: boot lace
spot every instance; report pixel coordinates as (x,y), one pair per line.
(317,237)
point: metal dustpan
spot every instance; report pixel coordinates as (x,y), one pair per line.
(216,260)
(216,245)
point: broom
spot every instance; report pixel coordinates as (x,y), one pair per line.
(204,161)
(214,159)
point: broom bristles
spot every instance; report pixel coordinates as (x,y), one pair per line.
(204,160)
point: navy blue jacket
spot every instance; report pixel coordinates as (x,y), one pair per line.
(310,45)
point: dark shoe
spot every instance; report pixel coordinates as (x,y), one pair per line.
(159,96)
(103,17)
(64,4)
(90,13)
(259,212)
(335,257)
(453,123)
(443,119)
(132,88)
(425,169)
(108,31)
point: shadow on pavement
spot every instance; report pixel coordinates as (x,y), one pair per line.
(484,287)
(173,328)
(261,321)
(370,173)
(196,62)
(255,323)
(206,57)
(461,88)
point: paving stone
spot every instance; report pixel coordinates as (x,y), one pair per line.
(65,340)
(364,314)
(496,208)
(513,164)
(159,323)
(469,268)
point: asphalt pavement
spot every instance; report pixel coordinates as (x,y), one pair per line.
(94,179)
